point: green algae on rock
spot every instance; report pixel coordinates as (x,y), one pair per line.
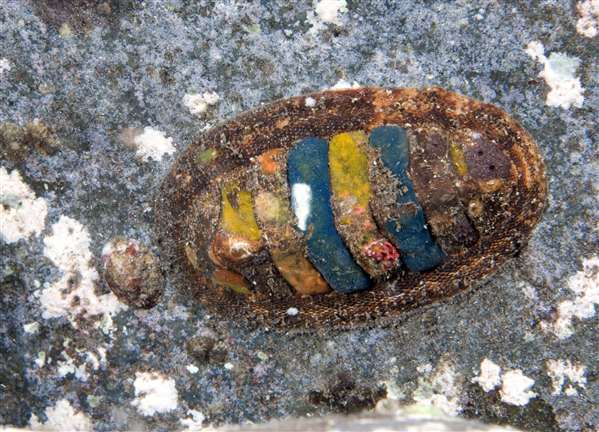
(363,205)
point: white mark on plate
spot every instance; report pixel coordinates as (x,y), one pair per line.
(301,199)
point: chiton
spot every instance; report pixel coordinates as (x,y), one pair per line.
(348,206)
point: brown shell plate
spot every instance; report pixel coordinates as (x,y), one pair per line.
(496,213)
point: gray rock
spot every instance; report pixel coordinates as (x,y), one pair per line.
(100,73)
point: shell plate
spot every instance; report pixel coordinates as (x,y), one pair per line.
(229,214)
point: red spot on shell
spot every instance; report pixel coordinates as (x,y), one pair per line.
(132,248)
(382,251)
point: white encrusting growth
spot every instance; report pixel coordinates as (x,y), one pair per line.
(441,389)
(67,365)
(310,102)
(32,327)
(198,104)
(585,286)
(516,388)
(194,420)
(74,294)
(21,213)
(40,360)
(154,393)
(301,200)
(588,21)
(529,291)
(153,144)
(106,325)
(490,375)
(559,73)
(192,369)
(81,366)
(62,417)
(343,85)
(4,66)
(328,10)
(560,370)
(93,360)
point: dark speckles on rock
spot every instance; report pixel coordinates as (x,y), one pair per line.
(17,143)
(537,415)
(132,272)
(81,15)
(343,395)
(12,365)
(206,348)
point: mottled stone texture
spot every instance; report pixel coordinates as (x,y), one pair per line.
(128,64)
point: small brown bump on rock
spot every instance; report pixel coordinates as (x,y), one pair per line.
(81,16)
(342,394)
(133,273)
(104,8)
(199,347)
(206,348)
(127,137)
(18,142)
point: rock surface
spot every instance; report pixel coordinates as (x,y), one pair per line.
(117,84)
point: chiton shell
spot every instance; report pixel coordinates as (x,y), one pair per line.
(344,207)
